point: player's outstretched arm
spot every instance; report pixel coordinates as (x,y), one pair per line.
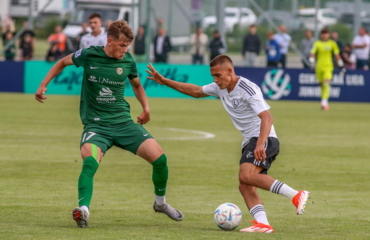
(185,88)
(140,94)
(53,72)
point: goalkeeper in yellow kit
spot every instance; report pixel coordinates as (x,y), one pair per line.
(323,51)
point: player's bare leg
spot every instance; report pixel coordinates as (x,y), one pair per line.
(152,152)
(91,155)
(252,199)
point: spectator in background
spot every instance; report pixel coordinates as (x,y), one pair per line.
(251,47)
(272,48)
(10,52)
(160,23)
(27,48)
(198,41)
(162,46)
(335,37)
(97,37)
(81,34)
(54,53)
(349,58)
(217,45)
(360,44)
(306,46)
(7,29)
(139,45)
(283,39)
(26,33)
(58,38)
(107,24)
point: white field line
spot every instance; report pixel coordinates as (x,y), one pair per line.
(200,134)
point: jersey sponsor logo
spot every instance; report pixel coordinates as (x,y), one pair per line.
(78,53)
(276,84)
(119,71)
(235,103)
(91,67)
(106,96)
(92,78)
(106,80)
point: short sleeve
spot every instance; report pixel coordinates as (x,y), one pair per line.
(335,48)
(79,57)
(314,48)
(133,72)
(211,90)
(258,103)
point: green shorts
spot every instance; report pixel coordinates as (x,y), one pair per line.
(127,135)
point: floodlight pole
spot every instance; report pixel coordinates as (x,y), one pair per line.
(148,30)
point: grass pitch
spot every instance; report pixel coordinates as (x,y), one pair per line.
(326,153)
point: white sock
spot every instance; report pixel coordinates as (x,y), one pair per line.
(259,214)
(283,189)
(85,208)
(160,200)
(324,102)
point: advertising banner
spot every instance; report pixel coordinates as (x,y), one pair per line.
(301,84)
(69,81)
(11,76)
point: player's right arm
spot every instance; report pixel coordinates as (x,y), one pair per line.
(53,72)
(185,88)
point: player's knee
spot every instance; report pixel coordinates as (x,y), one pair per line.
(90,150)
(161,162)
(245,179)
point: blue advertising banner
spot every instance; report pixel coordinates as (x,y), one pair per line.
(69,81)
(301,84)
(11,76)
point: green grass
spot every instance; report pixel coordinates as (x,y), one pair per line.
(323,152)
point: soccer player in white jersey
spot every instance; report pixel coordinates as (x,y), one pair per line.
(96,37)
(250,114)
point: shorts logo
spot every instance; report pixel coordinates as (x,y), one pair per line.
(276,84)
(119,71)
(235,103)
(78,53)
(249,154)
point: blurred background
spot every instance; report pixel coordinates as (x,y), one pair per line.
(180,18)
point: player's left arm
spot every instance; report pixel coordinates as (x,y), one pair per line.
(140,94)
(265,128)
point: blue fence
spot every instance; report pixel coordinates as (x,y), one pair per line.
(301,84)
(276,84)
(11,76)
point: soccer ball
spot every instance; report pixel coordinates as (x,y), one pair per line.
(227,216)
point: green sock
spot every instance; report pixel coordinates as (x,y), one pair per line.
(86,181)
(160,175)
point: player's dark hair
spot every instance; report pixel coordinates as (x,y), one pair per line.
(94,15)
(120,27)
(324,30)
(220,59)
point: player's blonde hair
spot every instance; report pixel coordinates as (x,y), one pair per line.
(119,27)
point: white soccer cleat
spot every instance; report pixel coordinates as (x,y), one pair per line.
(81,217)
(300,200)
(173,213)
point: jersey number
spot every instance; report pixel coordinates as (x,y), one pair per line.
(84,138)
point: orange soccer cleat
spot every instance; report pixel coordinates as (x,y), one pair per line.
(258,228)
(299,201)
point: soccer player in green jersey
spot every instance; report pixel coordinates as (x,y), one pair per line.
(323,51)
(106,117)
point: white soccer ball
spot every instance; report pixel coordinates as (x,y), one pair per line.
(227,216)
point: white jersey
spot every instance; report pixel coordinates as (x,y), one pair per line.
(89,40)
(243,104)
